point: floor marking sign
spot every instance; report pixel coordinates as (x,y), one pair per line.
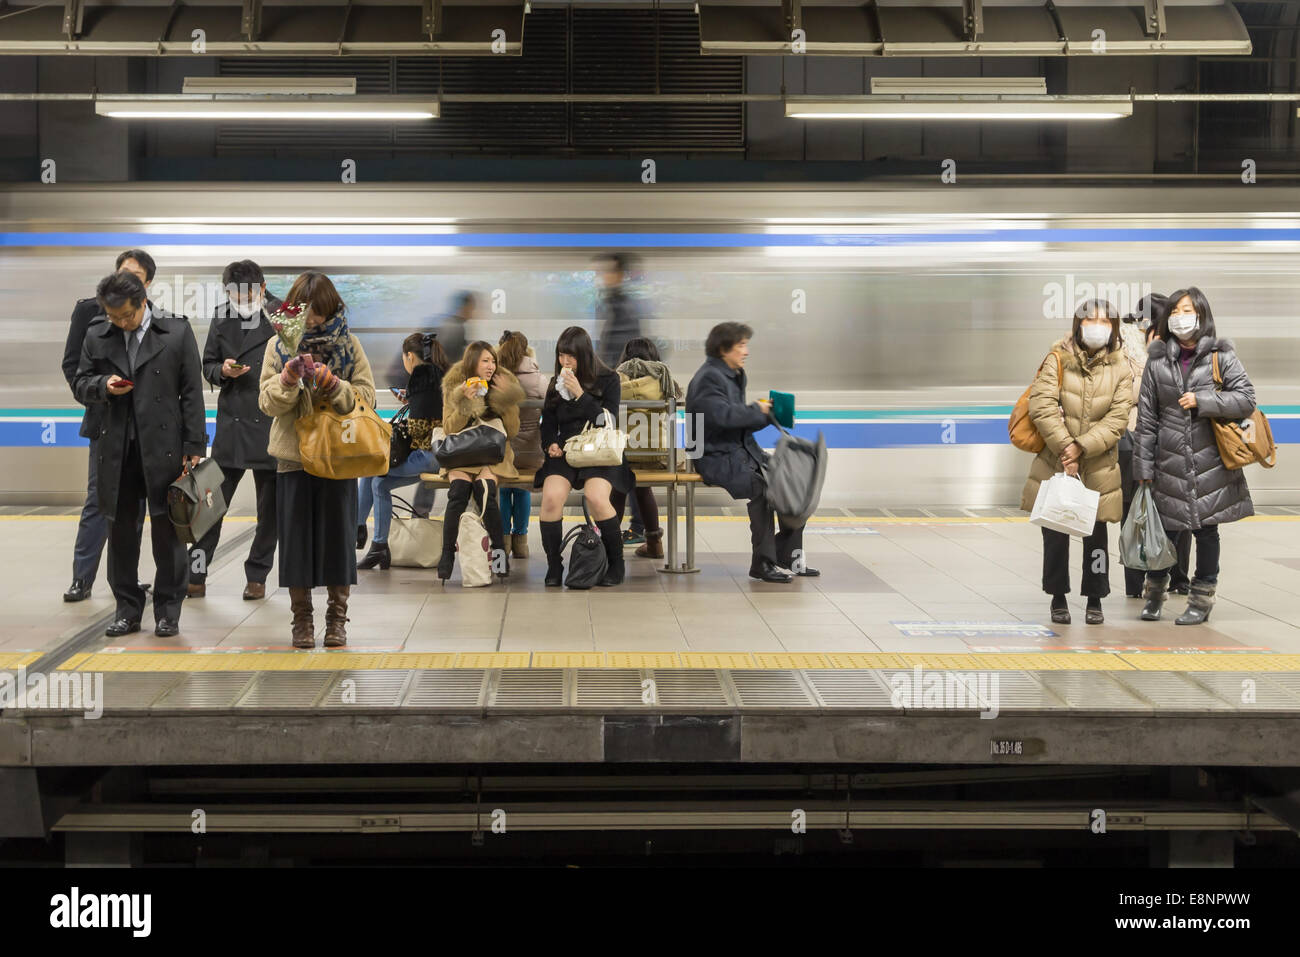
(973,629)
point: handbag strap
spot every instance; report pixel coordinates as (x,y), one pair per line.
(1214,368)
(398,500)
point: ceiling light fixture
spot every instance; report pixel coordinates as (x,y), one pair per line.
(956,85)
(330,107)
(272,85)
(975,107)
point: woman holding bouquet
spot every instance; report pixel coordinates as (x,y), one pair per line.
(313,357)
(476,390)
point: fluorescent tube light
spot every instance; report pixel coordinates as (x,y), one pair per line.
(385,109)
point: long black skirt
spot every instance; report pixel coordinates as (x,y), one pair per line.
(316,526)
(618,476)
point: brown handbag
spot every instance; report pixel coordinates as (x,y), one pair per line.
(1243,442)
(336,445)
(1020,427)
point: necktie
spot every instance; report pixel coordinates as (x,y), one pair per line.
(132,348)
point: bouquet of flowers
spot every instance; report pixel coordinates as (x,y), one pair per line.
(290,322)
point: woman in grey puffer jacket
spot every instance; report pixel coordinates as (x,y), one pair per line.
(1175,445)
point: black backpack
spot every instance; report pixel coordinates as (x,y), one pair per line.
(587,561)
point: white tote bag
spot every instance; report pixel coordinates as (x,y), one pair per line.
(601,445)
(1065,504)
(414,542)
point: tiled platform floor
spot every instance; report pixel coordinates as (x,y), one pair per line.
(973,577)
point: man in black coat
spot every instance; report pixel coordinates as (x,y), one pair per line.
(141,367)
(232,362)
(92,528)
(732,459)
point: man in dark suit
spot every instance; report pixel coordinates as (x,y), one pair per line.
(232,361)
(140,365)
(732,458)
(92,528)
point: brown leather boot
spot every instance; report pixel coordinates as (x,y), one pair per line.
(304,628)
(654,545)
(336,616)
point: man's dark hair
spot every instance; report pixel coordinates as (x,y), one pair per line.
(462,299)
(724,336)
(140,256)
(614,262)
(242,272)
(116,290)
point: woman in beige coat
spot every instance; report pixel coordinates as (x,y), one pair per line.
(462,407)
(315,517)
(1080,404)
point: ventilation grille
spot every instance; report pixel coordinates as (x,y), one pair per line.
(690,689)
(529,689)
(602,688)
(565,50)
(463,688)
(285,689)
(373,689)
(206,690)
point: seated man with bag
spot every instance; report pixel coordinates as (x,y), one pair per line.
(732,459)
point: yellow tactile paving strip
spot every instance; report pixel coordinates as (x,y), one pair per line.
(16,659)
(383,661)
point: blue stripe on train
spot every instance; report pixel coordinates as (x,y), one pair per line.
(839,435)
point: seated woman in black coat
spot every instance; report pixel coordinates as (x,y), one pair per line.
(582,389)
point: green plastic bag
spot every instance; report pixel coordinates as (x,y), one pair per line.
(1142,540)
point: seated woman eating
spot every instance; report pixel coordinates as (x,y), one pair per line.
(582,390)
(464,406)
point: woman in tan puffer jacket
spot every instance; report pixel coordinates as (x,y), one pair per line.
(515,354)
(1080,404)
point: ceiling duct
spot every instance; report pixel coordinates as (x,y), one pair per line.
(974,28)
(253,28)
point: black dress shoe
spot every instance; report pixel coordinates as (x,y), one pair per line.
(554,576)
(768,572)
(809,573)
(165,627)
(122,626)
(610,580)
(78,591)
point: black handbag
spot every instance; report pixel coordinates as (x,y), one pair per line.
(587,561)
(400,450)
(473,447)
(195,502)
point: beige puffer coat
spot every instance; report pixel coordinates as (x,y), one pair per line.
(1096,395)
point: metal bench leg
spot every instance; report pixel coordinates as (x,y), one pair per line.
(670,553)
(690,530)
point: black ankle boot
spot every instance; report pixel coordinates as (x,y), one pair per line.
(491,503)
(613,541)
(552,536)
(457,498)
(377,556)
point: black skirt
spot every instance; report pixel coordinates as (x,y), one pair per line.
(315,524)
(618,476)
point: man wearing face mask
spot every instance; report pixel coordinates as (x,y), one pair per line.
(232,362)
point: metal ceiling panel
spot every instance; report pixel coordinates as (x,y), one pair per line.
(338,29)
(936,29)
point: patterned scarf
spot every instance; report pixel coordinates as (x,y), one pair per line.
(330,343)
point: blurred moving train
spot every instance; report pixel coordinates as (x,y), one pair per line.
(906,320)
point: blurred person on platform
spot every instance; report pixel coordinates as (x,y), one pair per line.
(618,314)
(232,362)
(92,526)
(142,366)
(1175,448)
(518,356)
(425,363)
(315,517)
(644,375)
(1080,405)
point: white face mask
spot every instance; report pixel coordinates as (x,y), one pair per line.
(248,311)
(1183,324)
(1094,337)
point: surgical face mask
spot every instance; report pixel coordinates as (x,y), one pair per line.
(1183,324)
(249,310)
(1094,337)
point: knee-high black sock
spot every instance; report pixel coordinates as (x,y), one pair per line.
(612,539)
(485,493)
(457,498)
(552,536)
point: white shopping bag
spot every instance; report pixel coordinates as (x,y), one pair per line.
(1065,504)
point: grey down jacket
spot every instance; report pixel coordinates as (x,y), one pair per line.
(1176,447)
